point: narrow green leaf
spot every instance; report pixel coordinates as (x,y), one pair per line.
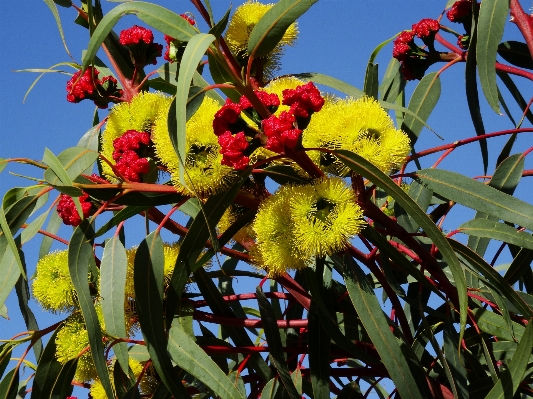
(493,277)
(371,80)
(270,29)
(377,327)
(367,169)
(520,264)
(516,53)
(517,95)
(497,231)
(422,102)
(90,139)
(332,82)
(494,324)
(220,307)
(284,174)
(9,385)
(192,56)
(63,384)
(156,16)
(120,216)
(220,75)
(113,270)
(191,358)
(80,253)
(52,227)
(10,272)
(505,178)
(478,196)
(471,87)
(33,228)
(74,160)
(270,389)
(47,371)
(350,391)
(220,26)
(511,377)
(53,8)
(491,23)
(273,338)
(148,284)
(319,355)
(23,296)
(453,361)
(6,350)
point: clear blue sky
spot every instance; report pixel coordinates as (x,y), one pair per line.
(336,38)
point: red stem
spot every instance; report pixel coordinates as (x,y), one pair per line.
(238,322)
(523,22)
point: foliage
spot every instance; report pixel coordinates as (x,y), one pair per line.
(314,194)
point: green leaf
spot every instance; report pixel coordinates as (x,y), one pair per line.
(6,350)
(74,160)
(113,270)
(522,103)
(351,391)
(23,296)
(276,355)
(494,324)
(80,253)
(47,371)
(238,335)
(63,384)
(471,86)
(270,389)
(52,227)
(220,75)
(270,29)
(148,284)
(478,196)
(53,8)
(505,178)
(409,385)
(192,56)
(371,80)
(332,82)
(368,170)
(422,102)
(156,16)
(90,140)
(33,228)
(284,174)
(9,385)
(10,272)
(319,354)
(220,26)
(479,265)
(511,377)
(191,358)
(120,216)
(516,53)
(497,231)
(491,23)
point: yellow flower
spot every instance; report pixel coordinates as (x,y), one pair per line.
(325,216)
(71,340)
(139,114)
(241,25)
(204,173)
(361,126)
(52,286)
(277,86)
(147,384)
(276,246)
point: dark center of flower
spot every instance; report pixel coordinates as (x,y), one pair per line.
(323,209)
(327,159)
(373,134)
(199,154)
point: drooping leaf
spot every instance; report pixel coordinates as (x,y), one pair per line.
(74,160)
(10,272)
(368,170)
(191,358)
(113,270)
(409,384)
(422,102)
(371,80)
(55,13)
(218,29)
(80,253)
(516,53)
(497,231)
(9,385)
(148,283)
(478,196)
(511,377)
(192,55)
(491,23)
(47,371)
(270,29)
(273,338)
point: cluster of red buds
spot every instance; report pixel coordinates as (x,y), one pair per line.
(238,140)
(86,85)
(140,42)
(67,209)
(175,48)
(415,60)
(461,12)
(129,149)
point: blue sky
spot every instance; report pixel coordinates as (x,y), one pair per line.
(336,38)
